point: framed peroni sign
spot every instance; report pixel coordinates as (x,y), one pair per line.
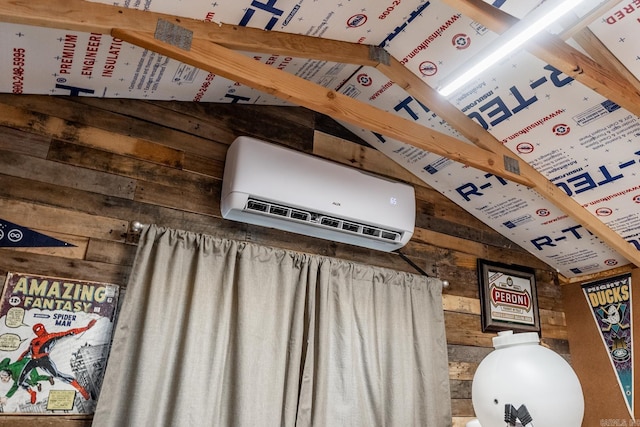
(55,336)
(508,297)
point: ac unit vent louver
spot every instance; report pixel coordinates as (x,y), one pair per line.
(272,186)
(320,220)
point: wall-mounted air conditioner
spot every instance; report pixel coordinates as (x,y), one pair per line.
(272,186)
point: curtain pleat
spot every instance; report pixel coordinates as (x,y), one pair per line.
(215,332)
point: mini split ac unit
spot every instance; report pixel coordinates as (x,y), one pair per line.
(272,186)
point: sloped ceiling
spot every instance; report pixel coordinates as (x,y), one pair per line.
(544,147)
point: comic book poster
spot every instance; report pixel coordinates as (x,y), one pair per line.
(55,336)
(610,301)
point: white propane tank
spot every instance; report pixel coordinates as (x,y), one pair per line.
(523,374)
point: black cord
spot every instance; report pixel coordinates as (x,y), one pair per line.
(412,264)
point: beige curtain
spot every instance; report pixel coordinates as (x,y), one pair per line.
(216,332)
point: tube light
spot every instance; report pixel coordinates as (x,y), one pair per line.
(516,37)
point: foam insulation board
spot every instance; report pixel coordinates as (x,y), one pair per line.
(583,143)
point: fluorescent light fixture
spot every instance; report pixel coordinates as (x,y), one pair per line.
(516,37)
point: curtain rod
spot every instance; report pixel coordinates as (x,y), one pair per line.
(137,226)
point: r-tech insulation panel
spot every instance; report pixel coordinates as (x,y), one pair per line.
(584,143)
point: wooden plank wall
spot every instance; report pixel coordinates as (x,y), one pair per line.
(82,169)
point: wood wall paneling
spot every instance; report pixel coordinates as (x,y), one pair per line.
(83,169)
(604,399)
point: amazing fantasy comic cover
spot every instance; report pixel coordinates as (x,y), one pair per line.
(55,336)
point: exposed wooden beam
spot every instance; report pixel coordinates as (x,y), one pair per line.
(79,15)
(595,276)
(598,51)
(90,17)
(573,63)
(491,17)
(482,138)
(573,24)
(553,50)
(238,67)
(578,30)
